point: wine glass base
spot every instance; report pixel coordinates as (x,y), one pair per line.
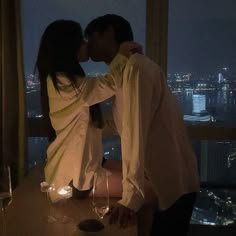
(66,220)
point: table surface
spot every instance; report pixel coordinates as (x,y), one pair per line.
(29,205)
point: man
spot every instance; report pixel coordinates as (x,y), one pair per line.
(154,141)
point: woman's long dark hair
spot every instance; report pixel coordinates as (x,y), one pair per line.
(58,52)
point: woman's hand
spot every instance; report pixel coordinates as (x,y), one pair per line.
(129,47)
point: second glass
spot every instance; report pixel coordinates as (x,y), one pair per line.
(101,197)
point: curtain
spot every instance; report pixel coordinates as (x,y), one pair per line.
(12,86)
(157,31)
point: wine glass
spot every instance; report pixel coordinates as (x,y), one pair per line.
(5,194)
(65,193)
(101,199)
(48,188)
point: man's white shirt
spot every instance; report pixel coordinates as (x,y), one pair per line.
(154,139)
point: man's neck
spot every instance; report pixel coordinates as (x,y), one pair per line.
(110,57)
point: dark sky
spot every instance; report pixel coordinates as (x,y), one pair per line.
(37,14)
(202,33)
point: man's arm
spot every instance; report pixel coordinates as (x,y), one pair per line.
(100,88)
(136,110)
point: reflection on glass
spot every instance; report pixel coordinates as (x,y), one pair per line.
(216,203)
(215,206)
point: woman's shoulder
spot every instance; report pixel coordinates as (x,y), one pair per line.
(64,83)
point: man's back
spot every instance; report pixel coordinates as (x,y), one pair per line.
(157,132)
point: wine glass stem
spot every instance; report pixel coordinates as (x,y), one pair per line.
(49,204)
(64,229)
(64,208)
(4,222)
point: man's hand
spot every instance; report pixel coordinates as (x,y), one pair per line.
(122,215)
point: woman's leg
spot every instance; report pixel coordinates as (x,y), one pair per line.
(115,179)
(115,182)
(115,185)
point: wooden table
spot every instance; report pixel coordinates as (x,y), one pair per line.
(29,205)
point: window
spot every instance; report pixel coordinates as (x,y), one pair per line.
(202,74)
(201,60)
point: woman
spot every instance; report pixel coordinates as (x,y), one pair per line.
(69,102)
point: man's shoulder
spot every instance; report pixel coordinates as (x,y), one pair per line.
(142,60)
(137,58)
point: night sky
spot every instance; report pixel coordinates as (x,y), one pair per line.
(202,33)
(37,15)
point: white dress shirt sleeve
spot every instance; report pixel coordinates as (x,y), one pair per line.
(91,90)
(133,136)
(100,88)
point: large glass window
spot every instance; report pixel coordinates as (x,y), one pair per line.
(202,74)
(201,60)
(36,15)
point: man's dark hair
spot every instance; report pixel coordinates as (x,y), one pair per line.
(122,29)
